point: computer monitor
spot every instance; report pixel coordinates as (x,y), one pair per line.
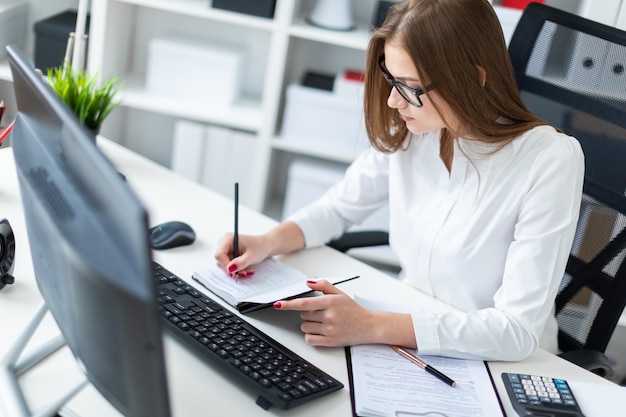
(88,236)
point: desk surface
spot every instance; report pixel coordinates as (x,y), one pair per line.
(196,389)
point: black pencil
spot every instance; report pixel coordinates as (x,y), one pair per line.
(236,232)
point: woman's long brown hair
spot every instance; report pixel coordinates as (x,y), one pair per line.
(448,41)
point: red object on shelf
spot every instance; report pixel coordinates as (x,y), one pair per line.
(519,4)
(4,131)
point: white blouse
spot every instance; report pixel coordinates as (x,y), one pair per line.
(491,237)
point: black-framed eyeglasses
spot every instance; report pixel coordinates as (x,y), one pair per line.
(411,95)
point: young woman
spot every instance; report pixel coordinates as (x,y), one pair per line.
(483,196)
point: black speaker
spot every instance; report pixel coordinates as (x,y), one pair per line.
(261,8)
(51,35)
(7,253)
(381,12)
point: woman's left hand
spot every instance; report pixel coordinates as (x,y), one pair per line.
(332,319)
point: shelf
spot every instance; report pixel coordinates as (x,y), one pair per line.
(312,151)
(200,8)
(246,114)
(281,49)
(355,39)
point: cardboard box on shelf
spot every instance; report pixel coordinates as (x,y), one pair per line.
(195,69)
(308,180)
(323,119)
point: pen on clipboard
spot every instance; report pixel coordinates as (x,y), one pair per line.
(236,231)
(411,357)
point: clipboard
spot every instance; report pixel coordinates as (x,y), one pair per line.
(409,413)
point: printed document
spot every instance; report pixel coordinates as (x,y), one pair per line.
(386,384)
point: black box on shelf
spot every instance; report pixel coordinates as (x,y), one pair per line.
(382,9)
(51,36)
(261,8)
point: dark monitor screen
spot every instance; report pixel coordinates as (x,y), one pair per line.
(88,235)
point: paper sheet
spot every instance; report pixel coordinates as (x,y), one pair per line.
(272,280)
(599,400)
(386,384)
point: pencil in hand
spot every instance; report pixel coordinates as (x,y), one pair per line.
(236,231)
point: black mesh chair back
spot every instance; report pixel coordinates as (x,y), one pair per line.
(572,73)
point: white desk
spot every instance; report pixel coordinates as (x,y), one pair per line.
(196,389)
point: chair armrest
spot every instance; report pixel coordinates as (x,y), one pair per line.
(591,360)
(359,239)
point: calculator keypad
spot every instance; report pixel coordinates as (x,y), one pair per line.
(534,392)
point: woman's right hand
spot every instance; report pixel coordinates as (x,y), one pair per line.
(284,238)
(252,250)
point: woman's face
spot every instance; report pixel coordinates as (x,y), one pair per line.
(418,119)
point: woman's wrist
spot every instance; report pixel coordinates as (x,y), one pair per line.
(393,329)
(284,238)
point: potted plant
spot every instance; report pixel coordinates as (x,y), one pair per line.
(89,99)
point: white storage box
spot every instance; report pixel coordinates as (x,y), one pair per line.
(324,119)
(307,181)
(194,69)
(12,24)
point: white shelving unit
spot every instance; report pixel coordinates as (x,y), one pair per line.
(281,50)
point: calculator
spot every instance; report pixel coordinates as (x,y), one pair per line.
(533,395)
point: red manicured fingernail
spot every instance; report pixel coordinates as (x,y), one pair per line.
(277,304)
(311,281)
(232,268)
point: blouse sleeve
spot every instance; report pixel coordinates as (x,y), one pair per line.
(534,267)
(362,191)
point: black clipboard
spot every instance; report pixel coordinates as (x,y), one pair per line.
(351,384)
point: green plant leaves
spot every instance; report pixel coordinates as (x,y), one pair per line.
(91,102)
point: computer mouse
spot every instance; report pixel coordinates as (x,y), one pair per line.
(171,235)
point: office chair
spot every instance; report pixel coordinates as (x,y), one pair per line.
(571,72)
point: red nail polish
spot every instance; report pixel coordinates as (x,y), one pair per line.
(277,304)
(232,268)
(311,281)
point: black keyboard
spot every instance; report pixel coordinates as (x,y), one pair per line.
(281,377)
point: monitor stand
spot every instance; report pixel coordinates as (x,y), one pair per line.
(12,400)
